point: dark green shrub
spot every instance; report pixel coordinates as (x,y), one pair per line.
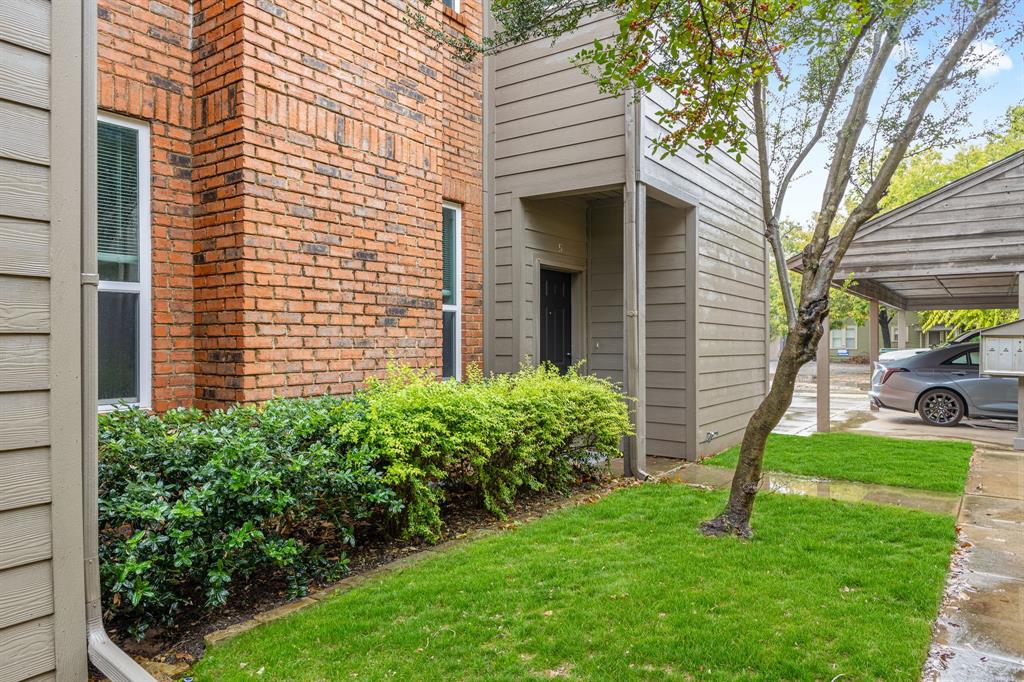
(191,503)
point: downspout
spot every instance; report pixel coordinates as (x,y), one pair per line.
(103,653)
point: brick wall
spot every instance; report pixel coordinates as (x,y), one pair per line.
(321,138)
(144,72)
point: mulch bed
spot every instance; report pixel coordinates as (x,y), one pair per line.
(176,649)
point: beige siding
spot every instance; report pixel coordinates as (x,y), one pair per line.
(553,131)
(730,320)
(27,649)
(549,116)
(667,433)
(35,459)
(604,294)
(554,235)
(666,380)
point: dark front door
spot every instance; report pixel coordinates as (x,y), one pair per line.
(556,318)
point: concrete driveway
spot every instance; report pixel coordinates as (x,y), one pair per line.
(851,412)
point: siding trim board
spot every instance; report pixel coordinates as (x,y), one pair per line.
(69,130)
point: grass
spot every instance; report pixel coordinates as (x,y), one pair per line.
(939,465)
(627,589)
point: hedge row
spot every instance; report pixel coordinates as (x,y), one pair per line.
(192,503)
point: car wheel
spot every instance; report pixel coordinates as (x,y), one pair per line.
(941,407)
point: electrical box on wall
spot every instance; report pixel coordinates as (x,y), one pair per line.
(1002,350)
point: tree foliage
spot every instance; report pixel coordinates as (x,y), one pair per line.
(965,320)
(882,81)
(704,54)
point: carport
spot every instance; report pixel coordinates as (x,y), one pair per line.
(958,247)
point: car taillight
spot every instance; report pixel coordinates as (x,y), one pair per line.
(889,371)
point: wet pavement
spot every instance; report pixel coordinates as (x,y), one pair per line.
(990,433)
(848,491)
(979,634)
(848,400)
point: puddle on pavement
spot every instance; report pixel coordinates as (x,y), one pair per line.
(846,491)
(988,618)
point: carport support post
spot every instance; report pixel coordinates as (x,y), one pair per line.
(1018,442)
(872,339)
(902,329)
(824,410)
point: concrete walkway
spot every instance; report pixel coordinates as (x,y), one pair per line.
(979,634)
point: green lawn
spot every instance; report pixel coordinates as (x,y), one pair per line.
(925,464)
(627,588)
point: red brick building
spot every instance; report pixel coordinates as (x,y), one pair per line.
(278,183)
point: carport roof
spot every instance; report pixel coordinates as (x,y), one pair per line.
(960,246)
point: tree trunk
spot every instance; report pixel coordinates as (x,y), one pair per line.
(800,348)
(884,320)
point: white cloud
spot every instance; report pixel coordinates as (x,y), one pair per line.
(989,57)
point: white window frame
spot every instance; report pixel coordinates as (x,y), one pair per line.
(833,342)
(144,287)
(856,332)
(457,306)
(843,341)
(456,5)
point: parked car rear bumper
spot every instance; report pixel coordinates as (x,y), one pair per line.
(892,396)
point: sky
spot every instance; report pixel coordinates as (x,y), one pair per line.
(1004,73)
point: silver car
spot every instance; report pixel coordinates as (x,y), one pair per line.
(943,386)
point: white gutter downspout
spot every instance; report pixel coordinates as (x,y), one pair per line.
(103,653)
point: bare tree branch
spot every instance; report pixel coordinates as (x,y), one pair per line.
(826,113)
(771,218)
(812,287)
(868,206)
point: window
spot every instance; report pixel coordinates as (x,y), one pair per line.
(844,338)
(453,5)
(451,292)
(970,358)
(123,255)
(936,336)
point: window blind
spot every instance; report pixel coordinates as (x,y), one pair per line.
(117,202)
(448,256)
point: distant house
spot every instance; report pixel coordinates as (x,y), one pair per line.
(850,341)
